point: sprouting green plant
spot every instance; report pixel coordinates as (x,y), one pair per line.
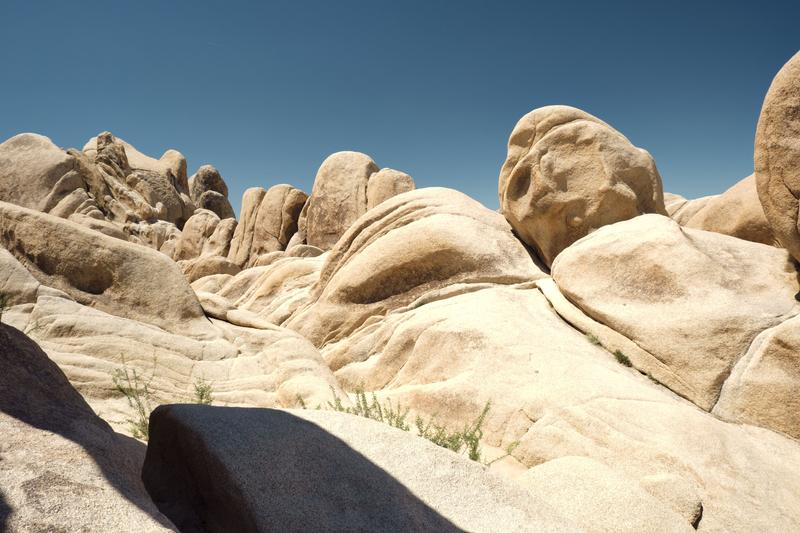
(622,358)
(203,392)
(465,441)
(372,409)
(594,340)
(137,393)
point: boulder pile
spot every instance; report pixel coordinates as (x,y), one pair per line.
(595,356)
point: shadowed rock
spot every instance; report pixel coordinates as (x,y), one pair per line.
(232,469)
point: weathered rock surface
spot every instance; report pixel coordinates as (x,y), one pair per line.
(777,155)
(590,493)
(269,220)
(338,198)
(62,467)
(736,212)
(679,293)
(207,178)
(35,173)
(162,183)
(405,247)
(763,386)
(322,471)
(568,173)
(557,394)
(118,277)
(387,183)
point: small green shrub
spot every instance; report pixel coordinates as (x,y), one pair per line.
(203,392)
(137,393)
(465,441)
(622,358)
(594,340)
(372,409)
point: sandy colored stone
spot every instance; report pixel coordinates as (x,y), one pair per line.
(598,499)
(693,299)
(387,183)
(162,183)
(269,219)
(34,172)
(557,394)
(214,201)
(567,174)
(115,276)
(409,245)
(196,233)
(353,474)
(338,198)
(265,367)
(207,178)
(763,386)
(62,467)
(736,212)
(777,155)
(207,265)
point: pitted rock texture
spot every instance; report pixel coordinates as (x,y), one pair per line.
(567,174)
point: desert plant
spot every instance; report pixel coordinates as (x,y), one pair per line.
(465,441)
(372,409)
(622,358)
(137,393)
(594,340)
(203,392)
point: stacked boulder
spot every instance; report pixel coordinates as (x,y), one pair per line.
(346,186)
(567,174)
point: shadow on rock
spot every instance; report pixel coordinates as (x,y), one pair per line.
(34,391)
(215,469)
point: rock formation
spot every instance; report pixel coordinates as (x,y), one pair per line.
(777,155)
(736,212)
(612,368)
(63,468)
(341,194)
(568,173)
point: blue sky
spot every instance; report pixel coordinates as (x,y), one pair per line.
(266,90)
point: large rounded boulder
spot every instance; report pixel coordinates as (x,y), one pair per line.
(408,248)
(338,198)
(568,173)
(777,155)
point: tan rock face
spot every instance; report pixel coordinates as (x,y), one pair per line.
(736,212)
(34,172)
(558,395)
(409,245)
(568,173)
(777,155)
(118,277)
(695,300)
(160,182)
(269,220)
(354,475)
(763,386)
(387,183)
(209,191)
(63,468)
(338,198)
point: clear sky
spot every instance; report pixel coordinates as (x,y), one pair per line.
(266,90)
